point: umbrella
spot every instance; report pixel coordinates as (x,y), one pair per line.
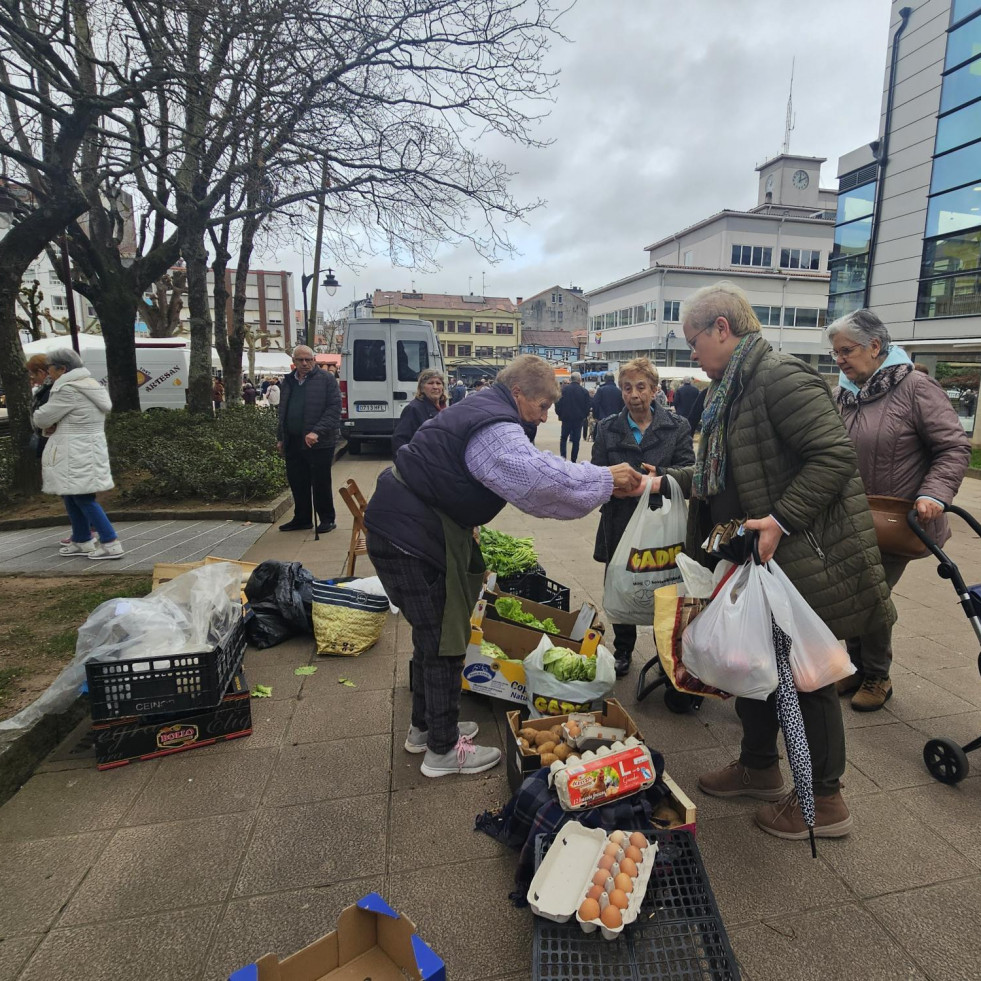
(792,725)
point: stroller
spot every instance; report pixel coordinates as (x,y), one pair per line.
(945,759)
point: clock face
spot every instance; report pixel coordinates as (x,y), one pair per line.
(800,179)
(769,184)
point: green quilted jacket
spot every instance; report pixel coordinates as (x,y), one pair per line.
(791,458)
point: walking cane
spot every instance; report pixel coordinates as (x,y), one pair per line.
(316,517)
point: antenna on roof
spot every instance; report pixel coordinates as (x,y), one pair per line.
(791,118)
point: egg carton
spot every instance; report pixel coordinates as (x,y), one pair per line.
(565,877)
(609,773)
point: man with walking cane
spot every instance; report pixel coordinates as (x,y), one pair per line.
(309,419)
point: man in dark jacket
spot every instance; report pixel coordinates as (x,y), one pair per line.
(572,408)
(685,398)
(309,418)
(458,392)
(607,400)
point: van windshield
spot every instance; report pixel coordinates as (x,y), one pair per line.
(413,356)
(369,361)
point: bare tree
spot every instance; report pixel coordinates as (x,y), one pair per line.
(163,310)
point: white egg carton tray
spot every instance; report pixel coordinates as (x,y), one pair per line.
(563,879)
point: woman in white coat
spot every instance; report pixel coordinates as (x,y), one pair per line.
(75,462)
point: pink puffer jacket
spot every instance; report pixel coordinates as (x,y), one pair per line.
(910,443)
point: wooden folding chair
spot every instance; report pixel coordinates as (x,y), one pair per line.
(354,499)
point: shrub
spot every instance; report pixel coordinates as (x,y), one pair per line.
(231,457)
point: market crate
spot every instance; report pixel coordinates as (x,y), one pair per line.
(684,940)
(158,685)
(537,587)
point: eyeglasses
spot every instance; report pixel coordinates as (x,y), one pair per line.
(843,353)
(694,338)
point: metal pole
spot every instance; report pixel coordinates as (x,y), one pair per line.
(311,330)
(66,272)
(302,339)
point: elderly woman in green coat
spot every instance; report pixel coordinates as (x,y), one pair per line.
(775,455)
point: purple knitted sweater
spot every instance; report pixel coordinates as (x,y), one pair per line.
(541,484)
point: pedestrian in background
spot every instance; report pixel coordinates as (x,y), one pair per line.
(685,398)
(430,399)
(272,393)
(910,444)
(607,400)
(249,394)
(309,420)
(218,394)
(41,382)
(572,409)
(458,392)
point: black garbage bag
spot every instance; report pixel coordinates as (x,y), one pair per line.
(280,598)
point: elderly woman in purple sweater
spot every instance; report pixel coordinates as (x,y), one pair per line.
(457,473)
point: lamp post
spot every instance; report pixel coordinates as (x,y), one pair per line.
(330,285)
(667,340)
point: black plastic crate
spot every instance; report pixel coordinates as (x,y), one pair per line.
(164,685)
(684,939)
(537,587)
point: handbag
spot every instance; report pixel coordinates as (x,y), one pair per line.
(892,529)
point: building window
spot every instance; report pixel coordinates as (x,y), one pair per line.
(463,350)
(463,327)
(767,316)
(451,350)
(752,255)
(560,316)
(483,327)
(450,326)
(803,317)
(626,316)
(800,259)
(506,328)
(483,352)
(689,259)
(672,311)
(440,325)
(58,302)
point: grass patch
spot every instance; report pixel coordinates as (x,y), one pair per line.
(976,456)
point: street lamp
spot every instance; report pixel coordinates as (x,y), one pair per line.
(667,340)
(330,285)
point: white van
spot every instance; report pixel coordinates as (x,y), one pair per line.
(161,365)
(380,363)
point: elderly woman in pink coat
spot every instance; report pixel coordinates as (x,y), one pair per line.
(910,444)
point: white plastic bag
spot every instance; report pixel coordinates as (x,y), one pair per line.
(729,645)
(816,657)
(549,696)
(646,557)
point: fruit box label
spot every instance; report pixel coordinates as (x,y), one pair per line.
(606,777)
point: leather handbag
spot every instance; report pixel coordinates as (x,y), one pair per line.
(892,529)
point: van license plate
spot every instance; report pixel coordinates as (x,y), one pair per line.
(371,406)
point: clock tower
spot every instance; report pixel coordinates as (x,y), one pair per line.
(790,180)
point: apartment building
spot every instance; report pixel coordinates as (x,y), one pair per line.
(556,308)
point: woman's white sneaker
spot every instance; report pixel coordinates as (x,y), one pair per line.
(108,550)
(463,758)
(78,548)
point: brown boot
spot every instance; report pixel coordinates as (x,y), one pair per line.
(784,819)
(852,683)
(873,694)
(736,780)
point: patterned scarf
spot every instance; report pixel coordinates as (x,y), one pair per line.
(710,465)
(884,380)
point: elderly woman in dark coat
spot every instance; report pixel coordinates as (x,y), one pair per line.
(642,432)
(430,398)
(910,444)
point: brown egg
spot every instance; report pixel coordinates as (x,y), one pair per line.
(624,882)
(589,910)
(619,899)
(595,892)
(599,877)
(606,862)
(629,866)
(611,918)
(611,850)
(617,837)
(631,851)
(638,840)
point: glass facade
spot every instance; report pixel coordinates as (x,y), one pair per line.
(849,260)
(950,285)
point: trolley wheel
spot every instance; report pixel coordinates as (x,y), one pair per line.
(680,702)
(945,760)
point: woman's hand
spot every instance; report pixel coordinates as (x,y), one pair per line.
(655,479)
(626,481)
(927,509)
(770,535)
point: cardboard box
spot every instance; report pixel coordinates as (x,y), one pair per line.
(121,741)
(676,812)
(371,942)
(572,626)
(506,679)
(165,571)
(521,762)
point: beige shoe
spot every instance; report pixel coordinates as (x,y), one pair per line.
(873,694)
(852,683)
(736,780)
(784,819)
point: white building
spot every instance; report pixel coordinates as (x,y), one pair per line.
(777,252)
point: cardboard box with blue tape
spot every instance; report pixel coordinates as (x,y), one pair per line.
(371,941)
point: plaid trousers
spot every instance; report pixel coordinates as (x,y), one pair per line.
(418,589)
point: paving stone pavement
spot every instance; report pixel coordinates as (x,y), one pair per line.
(190,866)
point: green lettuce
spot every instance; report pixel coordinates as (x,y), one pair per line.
(510,609)
(567,665)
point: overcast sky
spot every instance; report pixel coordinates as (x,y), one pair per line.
(663,110)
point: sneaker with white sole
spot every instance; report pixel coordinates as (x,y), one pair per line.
(417,741)
(78,548)
(109,550)
(464,757)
